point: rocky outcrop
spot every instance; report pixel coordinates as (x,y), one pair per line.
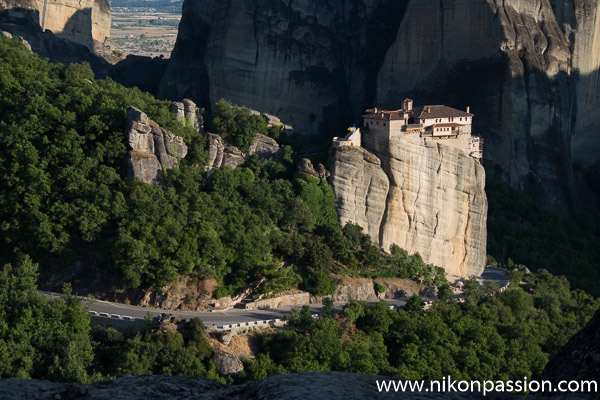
(226,364)
(222,155)
(152,148)
(264,147)
(529,69)
(86,22)
(10,36)
(189,113)
(361,289)
(284,300)
(421,195)
(305,166)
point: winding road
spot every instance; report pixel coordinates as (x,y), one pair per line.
(219,319)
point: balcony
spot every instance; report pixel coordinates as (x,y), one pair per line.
(413,127)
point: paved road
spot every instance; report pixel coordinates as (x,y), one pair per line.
(237,316)
(495,275)
(216,318)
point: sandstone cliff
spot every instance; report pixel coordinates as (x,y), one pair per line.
(301,61)
(24,23)
(422,195)
(152,148)
(86,22)
(529,69)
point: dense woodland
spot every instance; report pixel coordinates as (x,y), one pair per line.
(491,335)
(520,232)
(64,197)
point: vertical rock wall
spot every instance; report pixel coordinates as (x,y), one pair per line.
(528,68)
(424,196)
(152,148)
(86,22)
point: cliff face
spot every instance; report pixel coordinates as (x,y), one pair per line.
(304,61)
(424,196)
(86,22)
(528,68)
(152,148)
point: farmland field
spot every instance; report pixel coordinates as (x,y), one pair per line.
(147,28)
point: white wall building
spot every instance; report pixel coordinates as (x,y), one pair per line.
(432,122)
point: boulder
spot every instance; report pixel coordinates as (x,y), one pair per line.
(264,147)
(226,363)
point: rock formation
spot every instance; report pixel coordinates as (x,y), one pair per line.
(24,23)
(86,22)
(529,69)
(222,155)
(10,36)
(423,196)
(226,363)
(152,148)
(188,112)
(305,166)
(299,60)
(308,385)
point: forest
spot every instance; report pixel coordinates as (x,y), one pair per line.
(64,198)
(491,335)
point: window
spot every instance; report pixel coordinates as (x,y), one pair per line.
(384,124)
(377,122)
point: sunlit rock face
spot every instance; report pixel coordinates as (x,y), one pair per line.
(528,69)
(86,22)
(424,196)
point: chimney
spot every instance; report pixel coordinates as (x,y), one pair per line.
(468,109)
(428,109)
(408,105)
(375,110)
